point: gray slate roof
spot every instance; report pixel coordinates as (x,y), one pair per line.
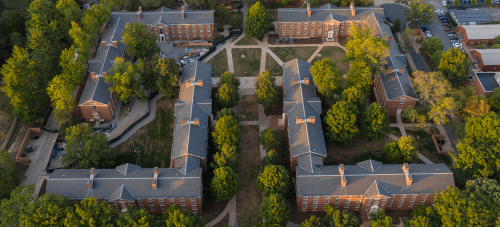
(490,56)
(487,80)
(390,180)
(170,17)
(300,101)
(486,31)
(326,13)
(113,184)
(474,15)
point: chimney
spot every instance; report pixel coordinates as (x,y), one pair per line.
(306,81)
(409,178)
(182,13)
(115,44)
(188,83)
(140,9)
(199,83)
(389,39)
(93,75)
(139,15)
(104,74)
(406,167)
(90,182)
(298,120)
(155,179)
(183,122)
(103,44)
(342,175)
(196,121)
(294,81)
(353,10)
(401,70)
(312,119)
(389,70)
(309,9)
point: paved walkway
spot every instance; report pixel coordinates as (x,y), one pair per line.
(137,110)
(39,162)
(231,210)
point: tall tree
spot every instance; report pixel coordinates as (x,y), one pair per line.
(273,180)
(226,132)
(420,13)
(225,184)
(135,217)
(313,221)
(431,86)
(401,151)
(226,112)
(12,22)
(436,57)
(230,79)
(375,122)
(337,218)
(67,11)
(396,26)
(409,36)
(222,12)
(275,209)
(270,139)
(270,159)
(139,42)
(126,79)
(476,105)
(174,217)
(356,97)
(455,66)
(167,79)
(47,210)
(87,149)
(150,3)
(425,214)
(431,45)
(341,123)
(227,96)
(494,100)
(257,21)
(8,175)
(359,76)
(11,209)
(267,92)
(327,77)
(236,20)
(478,151)
(227,156)
(378,219)
(91,213)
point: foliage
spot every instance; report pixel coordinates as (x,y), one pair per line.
(12,22)
(487,2)
(378,219)
(478,150)
(495,46)
(340,218)
(409,36)
(273,180)
(396,26)
(167,76)
(312,222)
(135,217)
(359,76)
(227,96)
(228,156)
(222,12)
(457,2)
(174,217)
(126,80)
(431,45)
(436,58)
(355,97)
(401,151)
(363,46)
(236,21)
(422,214)
(473,2)
(87,149)
(257,21)
(475,106)
(420,13)
(275,209)
(8,175)
(328,78)
(270,159)
(267,92)
(431,86)
(314,3)
(227,132)
(225,184)
(481,46)
(413,114)
(91,213)
(270,139)
(139,42)
(494,100)
(11,209)
(67,11)
(454,65)
(47,210)
(226,112)
(375,122)
(341,123)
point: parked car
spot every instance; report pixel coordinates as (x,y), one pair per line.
(389,19)
(452,35)
(447,28)
(445,23)
(183,62)
(427,35)
(457,45)
(427,32)
(424,28)
(438,11)
(453,40)
(444,3)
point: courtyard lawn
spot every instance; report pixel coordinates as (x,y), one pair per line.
(248,110)
(219,63)
(273,67)
(151,145)
(336,54)
(396,131)
(360,151)
(288,53)
(426,146)
(249,65)
(246,41)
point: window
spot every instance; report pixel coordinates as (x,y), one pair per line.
(341,32)
(315,202)
(194,25)
(368,200)
(172,31)
(357,206)
(201,30)
(298,29)
(389,205)
(312,33)
(290,33)
(336,206)
(291,28)
(160,200)
(114,203)
(315,207)
(346,206)
(116,208)
(202,34)
(193,204)
(320,23)
(208,30)
(359,201)
(319,32)
(366,209)
(390,200)
(172,204)
(282,33)
(383,199)
(183,204)
(432,200)
(298,23)
(183,208)
(368,204)
(140,204)
(186,26)
(180,35)
(327,197)
(312,28)
(411,201)
(316,197)
(337,201)
(424,196)
(298,33)
(305,33)
(341,28)
(283,24)
(304,202)
(178,26)
(326,202)
(194,35)
(193,199)
(291,24)
(347,201)
(305,23)
(401,200)
(403,196)
(179,31)
(194,30)
(187,35)
(151,204)
(304,207)
(305,29)
(153,209)
(348,197)
(336,25)
(187,30)
(173,35)
(162,204)
(357,22)
(194,208)
(410,205)
(400,205)
(163,209)
(414,196)
(382,204)
(422,200)
(284,29)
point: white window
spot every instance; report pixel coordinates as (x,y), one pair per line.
(153,209)
(342,23)
(305,23)
(336,25)
(390,200)
(187,35)
(151,204)
(357,206)
(424,196)
(193,199)
(179,26)
(401,200)
(410,205)
(116,208)
(140,204)
(183,204)
(179,31)
(284,29)
(298,23)
(172,204)
(160,200)
(341,28)
(368,200)
(315,202)
(312,23)
(201,35)
(411,201)
(400,205)
(315,207)
(432,200)
(305,29)
(359,201)
(201,30)
(305,202)
(312,28)
(193,204)
(114,203)
(383,199)
(346,206)
(403,196)
(298,33)
(382,204)
(163,209)
(368,204)
(348,197)
(282,33)
(186,26)
(194,208)
(162,204)
(172,31)
(347,201)
(150,200)
(180,35)
(327,197)
(319,32)
(304,207)
(283,24)
(422,200)
(305,33)
(183,208)
(298,29)
(290,33)
(194,30)
(194,35)
(337,201)
(291,24)
(366,209)
(357,22)
(341,32)
(414,196)
(336,206)
(312,33)
(194,25)
(389,205)
(187,31)
(291,28)
(320,23)
(326,202)
(208,30)
(316,197)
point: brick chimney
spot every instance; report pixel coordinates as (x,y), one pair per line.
(306,81)
(90,182)
(309,9)
(182,13)
(353,10)
(312,119)
(409,178)
(104,74)
(389,70)
(188,83)
(140,9)
(183,122)
(196,121)
(139,15)
(401,70)
(93,75)
(155,179)
(104,44)
(342,175)
(115,44)
(199,83)
(294,81)
(298,120)
(388,38)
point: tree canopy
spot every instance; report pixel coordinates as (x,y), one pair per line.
(359,76)
(12,208)
(87,149)
(135,217)
(230,79)
(47,210)
(375,122)
(356,97)
(271,139)
(431,45)
(327,77)
(341,123)
(139,42)
(225,183)
(126,80)
(494,100)
(91,213)
(227,132)
(227,156)
(267,92)
(227,96)
(270,159)
(420,13)
(8,175)
(475,106)
(313,221)
(168,76)
(337,218)
(409,35)
(222,12)
(455,66)
(378,219)
(401,151)
(174,217)
(226,112)
(275,209)
(257,21)
(273,180)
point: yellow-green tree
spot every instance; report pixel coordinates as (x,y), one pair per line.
(476,105)
(229,78)
(401,151)
(312,222)
(375,122)
(267,92)
(227,96)
(275,209)
(327,77)
(8,175)
(378,219)
(91,213)
(139,41)
(226,132)
(135,217)
(225,183)
(341,123)
(273,180)
(175,217)
(47,210)
(227,156)
(359,76)
(494,100)
(167,76)
(340,218)
(126,80)
(420,13)
(12,208)
(455,66)
(257,21)
(356,97)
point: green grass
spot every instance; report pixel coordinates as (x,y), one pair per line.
(426,146)
(273,15)
(288,53)
(336,54)
(273,67)
(219,64)
(246,41)
(150,146)
(248,66)
(16,3)
(374,155)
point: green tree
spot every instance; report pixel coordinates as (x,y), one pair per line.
(227,96)
(327,77)
(139,42)
(477,151)
(313,221)
(8,175)
(174,217)
(456,2)
(378,219)
(341,123)
(401,151)
(228,156)
(167,80)
(356,97)
(431,86)
(487,2)
(257,21)
(422,214)
(337,218)
(494,100)
(222,12)
(455,66)
(375,122)
(11,209)
(270,139)
(495,46)
(431,46)
(225,183)
(226,112)
(236,21)
(150,3)
(473,2)
(267,92)
(270,159)
(475,106)
(420,13)
(497,40)
(481,46)
(314,3)
(227,132)
(47,210)
(283,2)
(12,22)
(359,76)
(229,79)
(66,12)
(409,36)
(436,58)
(126,79)
(273,180)
(396,26)
(135,217)
(91,213)
(275,209)
(87,149)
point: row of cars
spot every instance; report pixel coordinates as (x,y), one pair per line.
(444,20)
(468,2)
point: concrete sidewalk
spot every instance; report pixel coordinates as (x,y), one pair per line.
(38,164)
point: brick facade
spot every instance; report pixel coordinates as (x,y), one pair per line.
(476,57)
(391,105)
(105,111)
(182,31)
(463,33)
(477,86)
(327,31)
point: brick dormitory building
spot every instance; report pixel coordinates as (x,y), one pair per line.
(97,103)
(155,189)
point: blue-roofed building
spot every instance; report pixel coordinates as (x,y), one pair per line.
(485,82)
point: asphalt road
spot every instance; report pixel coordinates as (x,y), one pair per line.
(395,11)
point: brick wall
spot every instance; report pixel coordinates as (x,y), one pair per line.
(104,111)
(477,87)
(393,105)
(485,68)
(181,32)
(316,29)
